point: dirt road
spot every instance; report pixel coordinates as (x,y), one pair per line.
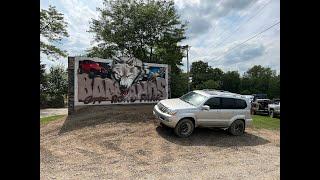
(53,112)
(123,142)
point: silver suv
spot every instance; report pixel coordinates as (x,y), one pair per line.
(205,108)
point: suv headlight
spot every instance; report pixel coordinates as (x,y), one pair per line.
(171,112)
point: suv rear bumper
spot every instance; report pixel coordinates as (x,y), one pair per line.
(166,119)
(248,122)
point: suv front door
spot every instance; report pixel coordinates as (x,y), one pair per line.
(213,116)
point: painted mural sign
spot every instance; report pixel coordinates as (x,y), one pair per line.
(119,80)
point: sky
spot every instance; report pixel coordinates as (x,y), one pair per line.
(232,35)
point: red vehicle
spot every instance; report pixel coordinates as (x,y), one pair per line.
(92,68)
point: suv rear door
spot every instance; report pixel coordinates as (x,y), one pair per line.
(228,107)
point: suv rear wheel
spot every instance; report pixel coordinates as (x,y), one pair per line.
(184,128)
(237,128)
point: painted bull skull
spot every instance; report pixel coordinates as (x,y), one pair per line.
(127,71)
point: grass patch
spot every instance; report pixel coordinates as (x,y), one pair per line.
(265,122)
(45,120)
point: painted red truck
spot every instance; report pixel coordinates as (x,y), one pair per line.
(92,68)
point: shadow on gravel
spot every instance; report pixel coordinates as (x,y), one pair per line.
(95,115)
(211,137)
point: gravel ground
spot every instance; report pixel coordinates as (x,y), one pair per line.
(53,111)
(124,142)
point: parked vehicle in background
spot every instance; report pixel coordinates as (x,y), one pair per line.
(205,108)
(93,69)
(260,106)
(276,101)
(274,108)
(259,96)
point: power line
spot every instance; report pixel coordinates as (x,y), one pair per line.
(220,34)
(239,26)
(247,40)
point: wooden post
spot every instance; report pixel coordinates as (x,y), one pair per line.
(71,64)
(169,81)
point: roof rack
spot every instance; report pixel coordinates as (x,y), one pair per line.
(215,90)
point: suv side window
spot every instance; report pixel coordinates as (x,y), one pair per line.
(240,104)
(213,103)
(228,103)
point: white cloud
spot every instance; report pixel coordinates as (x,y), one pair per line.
(214,27)
(231,27)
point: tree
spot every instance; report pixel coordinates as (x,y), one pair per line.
(43,86)
(43,79)
(209,84)
(52,29)
(199,73)
(57,81)
(216,74)
(57,86)
(245,92)
(231,81)
(179,85)
(258,79)
(202,72)
(246,86)
(149,30)
(274,87)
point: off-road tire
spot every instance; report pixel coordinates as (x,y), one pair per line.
(91,74)
(184,128)
(271,113)
(237,128)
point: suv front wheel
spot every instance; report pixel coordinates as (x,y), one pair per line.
(237,128)
(184,128)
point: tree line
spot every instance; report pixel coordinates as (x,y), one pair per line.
(255,80)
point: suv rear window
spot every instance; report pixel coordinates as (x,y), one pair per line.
(240,104)
(228,103)
(231,103)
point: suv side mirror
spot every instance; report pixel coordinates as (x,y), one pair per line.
(206,107)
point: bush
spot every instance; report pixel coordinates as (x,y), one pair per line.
(179,84)
(56,102)
(245,92)
(43,100)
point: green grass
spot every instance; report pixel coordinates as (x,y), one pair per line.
(266,122)
(45,120)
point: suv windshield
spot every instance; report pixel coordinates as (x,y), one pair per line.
(193,98)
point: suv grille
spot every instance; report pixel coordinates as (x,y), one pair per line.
(162,107)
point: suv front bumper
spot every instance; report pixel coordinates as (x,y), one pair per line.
(166,119)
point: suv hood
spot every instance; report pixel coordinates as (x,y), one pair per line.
(176,104)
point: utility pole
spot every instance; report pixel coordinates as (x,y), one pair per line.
(187,47)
